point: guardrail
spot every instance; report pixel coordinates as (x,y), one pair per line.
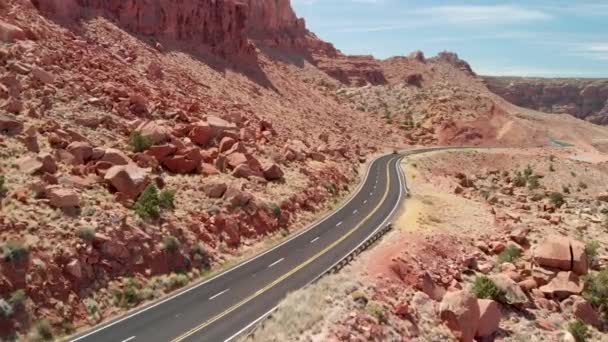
(332,270)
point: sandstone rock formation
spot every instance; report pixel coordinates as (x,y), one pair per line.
(584,99)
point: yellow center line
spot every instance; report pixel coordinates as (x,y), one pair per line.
(288,274)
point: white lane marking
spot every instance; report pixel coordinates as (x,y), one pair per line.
(315,239)
(355,211)
(364,201)
(276,262)
(218,294)
(129,339)
(339,223)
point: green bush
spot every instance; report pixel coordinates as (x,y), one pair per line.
(14,251)
(596,291)
(129,295)
(557,199)
(275,210)
(171,244)
(592,248)
(166,199)
(579,330)
(18,298)
(140,143)
(484,288)
(44,331)
(147,205)
(510,254)
(86,233)
(375,310)
(3,188)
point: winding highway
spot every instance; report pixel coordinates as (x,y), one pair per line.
(220,308)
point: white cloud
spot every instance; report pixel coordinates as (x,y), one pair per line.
(497,14)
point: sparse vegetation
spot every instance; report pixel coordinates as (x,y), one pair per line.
(592,248)
(331,187)
(551,168)
(43,331)
(582,185)
(375,310)
(537,197)
(150,202)
(129,295)
(201,255)
(275,210)
(533,183)
(166,199)
(359,297)
(510,254)
(565,189)
(86,233)
(139,143)
(484,288)
(14,251)
(557,199)
(3,188)
(18,298)
(171,244)
(596,291)
(579,330)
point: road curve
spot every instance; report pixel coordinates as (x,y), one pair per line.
(221,307)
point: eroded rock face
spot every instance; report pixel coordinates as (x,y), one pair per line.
(584,99)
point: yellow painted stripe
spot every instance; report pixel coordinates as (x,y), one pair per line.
(288,274)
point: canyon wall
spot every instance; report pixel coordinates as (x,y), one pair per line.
(583,98)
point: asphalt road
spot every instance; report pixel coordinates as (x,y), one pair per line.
(221,307)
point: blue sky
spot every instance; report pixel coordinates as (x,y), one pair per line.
(525,38)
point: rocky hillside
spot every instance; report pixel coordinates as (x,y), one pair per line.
(583,98)
(146,143)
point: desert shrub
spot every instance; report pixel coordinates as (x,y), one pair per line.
(537,197)
(596,291)
(147,205)
(552,158)
(200,254)
(129,295)
(528,171)
(14,251)
(557,199)
(359,297)
(166,199)
(6,309)
(505,174)
(176,281)
(519,180)
(551,168)
(3,188)
(18,298)
(331,187)
(275,210)
(139,143)
(565,189)
(533,183)
(579,330)
(86,233)
(92,308)
(375,310)
(592,248)
(171,244)
(484,288)
(582,185)
(43,331)
(510,254)
(573,174)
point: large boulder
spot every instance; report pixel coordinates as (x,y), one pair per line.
(157,132)
(82,151)
(562,253)
(245,171)
(29,165)
(460,312)
(115,157)
(273,172)
(185,161)
(62,198)
(9,125)
(201,133)
(226,143)
(513,294)
(218,125)
(563,285)
(129,179)
(236,159)
(10,33)
(489,318)
(214,190)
